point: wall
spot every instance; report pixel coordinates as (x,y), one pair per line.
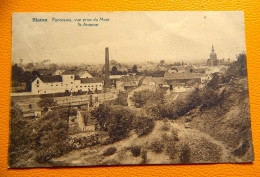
(252,25)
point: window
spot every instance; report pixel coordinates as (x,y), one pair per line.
(66,84)
(37,85)
(71,77)
(76,86)
(38,91)
(51,84)
(71,82)
(85,86)
(56,84)
(38,82)
(80,86)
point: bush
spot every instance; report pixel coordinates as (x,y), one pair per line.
(115,120)
(157,146)
(171,149)
(185,154)
(22,138)
(144,156)
(136,150)
(165,126)
(143,125)
(143,97)
(121,99)
(110,151)
(51,136)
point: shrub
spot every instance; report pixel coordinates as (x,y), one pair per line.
(157,146)
(171,149)
(185,154)
(143,125)
(22,138)
(144,156)
(142,97)
(136,150)
(51,135)
(165,126)
(209,98)
(110,151)
(115,120)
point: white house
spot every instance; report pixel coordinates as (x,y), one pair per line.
(65,82)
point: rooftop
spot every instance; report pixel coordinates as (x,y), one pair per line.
(51,79)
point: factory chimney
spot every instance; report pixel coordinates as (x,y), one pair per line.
(107,81)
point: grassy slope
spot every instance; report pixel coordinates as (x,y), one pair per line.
(219,134)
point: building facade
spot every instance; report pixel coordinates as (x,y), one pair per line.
(65,82)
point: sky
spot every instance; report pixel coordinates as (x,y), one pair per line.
(132,37)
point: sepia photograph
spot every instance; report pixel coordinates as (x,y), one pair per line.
(129,88)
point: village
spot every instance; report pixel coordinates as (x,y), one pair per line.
(101,104)
(77,86)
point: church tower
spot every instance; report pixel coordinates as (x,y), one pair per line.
(212,58)
(213,55)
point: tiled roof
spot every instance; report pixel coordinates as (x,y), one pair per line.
(130,84)
(157,80)
(69,72)
(129,78)
(50,78)
(176,76)
(91,80)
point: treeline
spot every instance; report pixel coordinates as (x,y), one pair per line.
(19,76)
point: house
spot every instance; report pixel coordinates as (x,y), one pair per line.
(114,80)
(84,74)
(181,87)
(128,82)
(184,77)
(84,121)
(31,111)
(65,82)
(58,72)
(212,70)
(153,81)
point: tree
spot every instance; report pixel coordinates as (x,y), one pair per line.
(114,70)
(21,137)
(135,69)
(241,63)
(51,136)
(162,62)
(46,103)
(16,75)
(36,73)
(116,120)
(27,78)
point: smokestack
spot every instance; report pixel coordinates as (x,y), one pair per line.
(107,81)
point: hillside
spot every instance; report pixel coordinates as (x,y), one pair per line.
(220,134)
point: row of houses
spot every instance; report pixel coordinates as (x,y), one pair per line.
(67,81)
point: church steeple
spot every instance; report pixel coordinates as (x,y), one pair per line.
(212,50)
